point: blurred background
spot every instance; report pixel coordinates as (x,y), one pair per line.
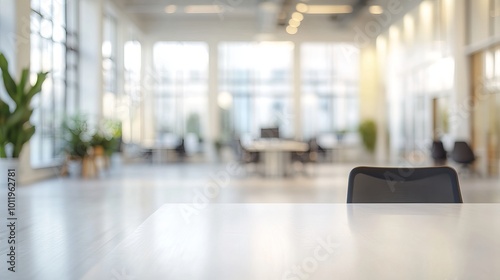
(282,88)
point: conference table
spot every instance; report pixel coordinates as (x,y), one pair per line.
(276,154)
(310,241)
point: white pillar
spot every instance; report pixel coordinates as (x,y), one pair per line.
(213,123)
(461,109)
(297,109)
(148,80)
(91,82)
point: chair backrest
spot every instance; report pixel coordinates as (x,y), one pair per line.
(403,185)
(437,150)
(270,132)
(462,153)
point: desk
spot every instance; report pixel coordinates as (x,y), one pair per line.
(276,154)
(312,241)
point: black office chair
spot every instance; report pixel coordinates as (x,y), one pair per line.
(438,153)
(181,150)
(462,153)
(403,185)
(247,157)
(270,132)
(308,157)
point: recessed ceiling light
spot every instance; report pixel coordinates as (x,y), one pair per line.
(202,9)
(376,10)
(329,9)
(293,23)
(291,30)
(301,7)
(269,6)
(297,16)
(170,9)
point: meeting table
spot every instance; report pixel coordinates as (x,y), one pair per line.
(277,154)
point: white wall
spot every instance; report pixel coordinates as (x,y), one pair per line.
(429,34)
(478,25)
(91,84)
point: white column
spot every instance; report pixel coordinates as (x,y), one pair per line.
(148,80)
(461,109)
(91,82)
(213,123)
(297,109)
(372,99)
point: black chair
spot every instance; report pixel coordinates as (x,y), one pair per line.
(462,153)
(270,132)
(438,153)
(307,157)
(181,150)
(403,185)
(247,157)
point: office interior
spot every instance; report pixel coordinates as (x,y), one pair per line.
(201,89)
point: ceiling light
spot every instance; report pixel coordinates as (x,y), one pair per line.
(376,10)
(225,100)
(329,9)
(301,7)
(297,16)
(170,9)
(269,6)
(293,23)
(291,30)
(202,9)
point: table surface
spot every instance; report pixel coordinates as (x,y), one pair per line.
(311,241)
(277,145)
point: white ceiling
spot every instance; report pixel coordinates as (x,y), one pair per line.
(264,17)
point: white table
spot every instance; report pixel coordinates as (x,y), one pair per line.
(311,241)
(276,154)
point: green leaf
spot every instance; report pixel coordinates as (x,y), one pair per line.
(23,137)
(22,86)
(4,110)
(15,127)
(17,117)
(10,85)
(38,85)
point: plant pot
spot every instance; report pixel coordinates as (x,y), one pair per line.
(5,165)
(99,160)
(74,168)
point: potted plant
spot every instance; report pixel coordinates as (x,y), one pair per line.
(105,141)
(112,129)
(77,143)
(15,113)
(368,131)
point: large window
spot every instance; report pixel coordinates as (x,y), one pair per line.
(330,81)
(255,84)
(132,66)
(109,69)
(181,92)
(54,42)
